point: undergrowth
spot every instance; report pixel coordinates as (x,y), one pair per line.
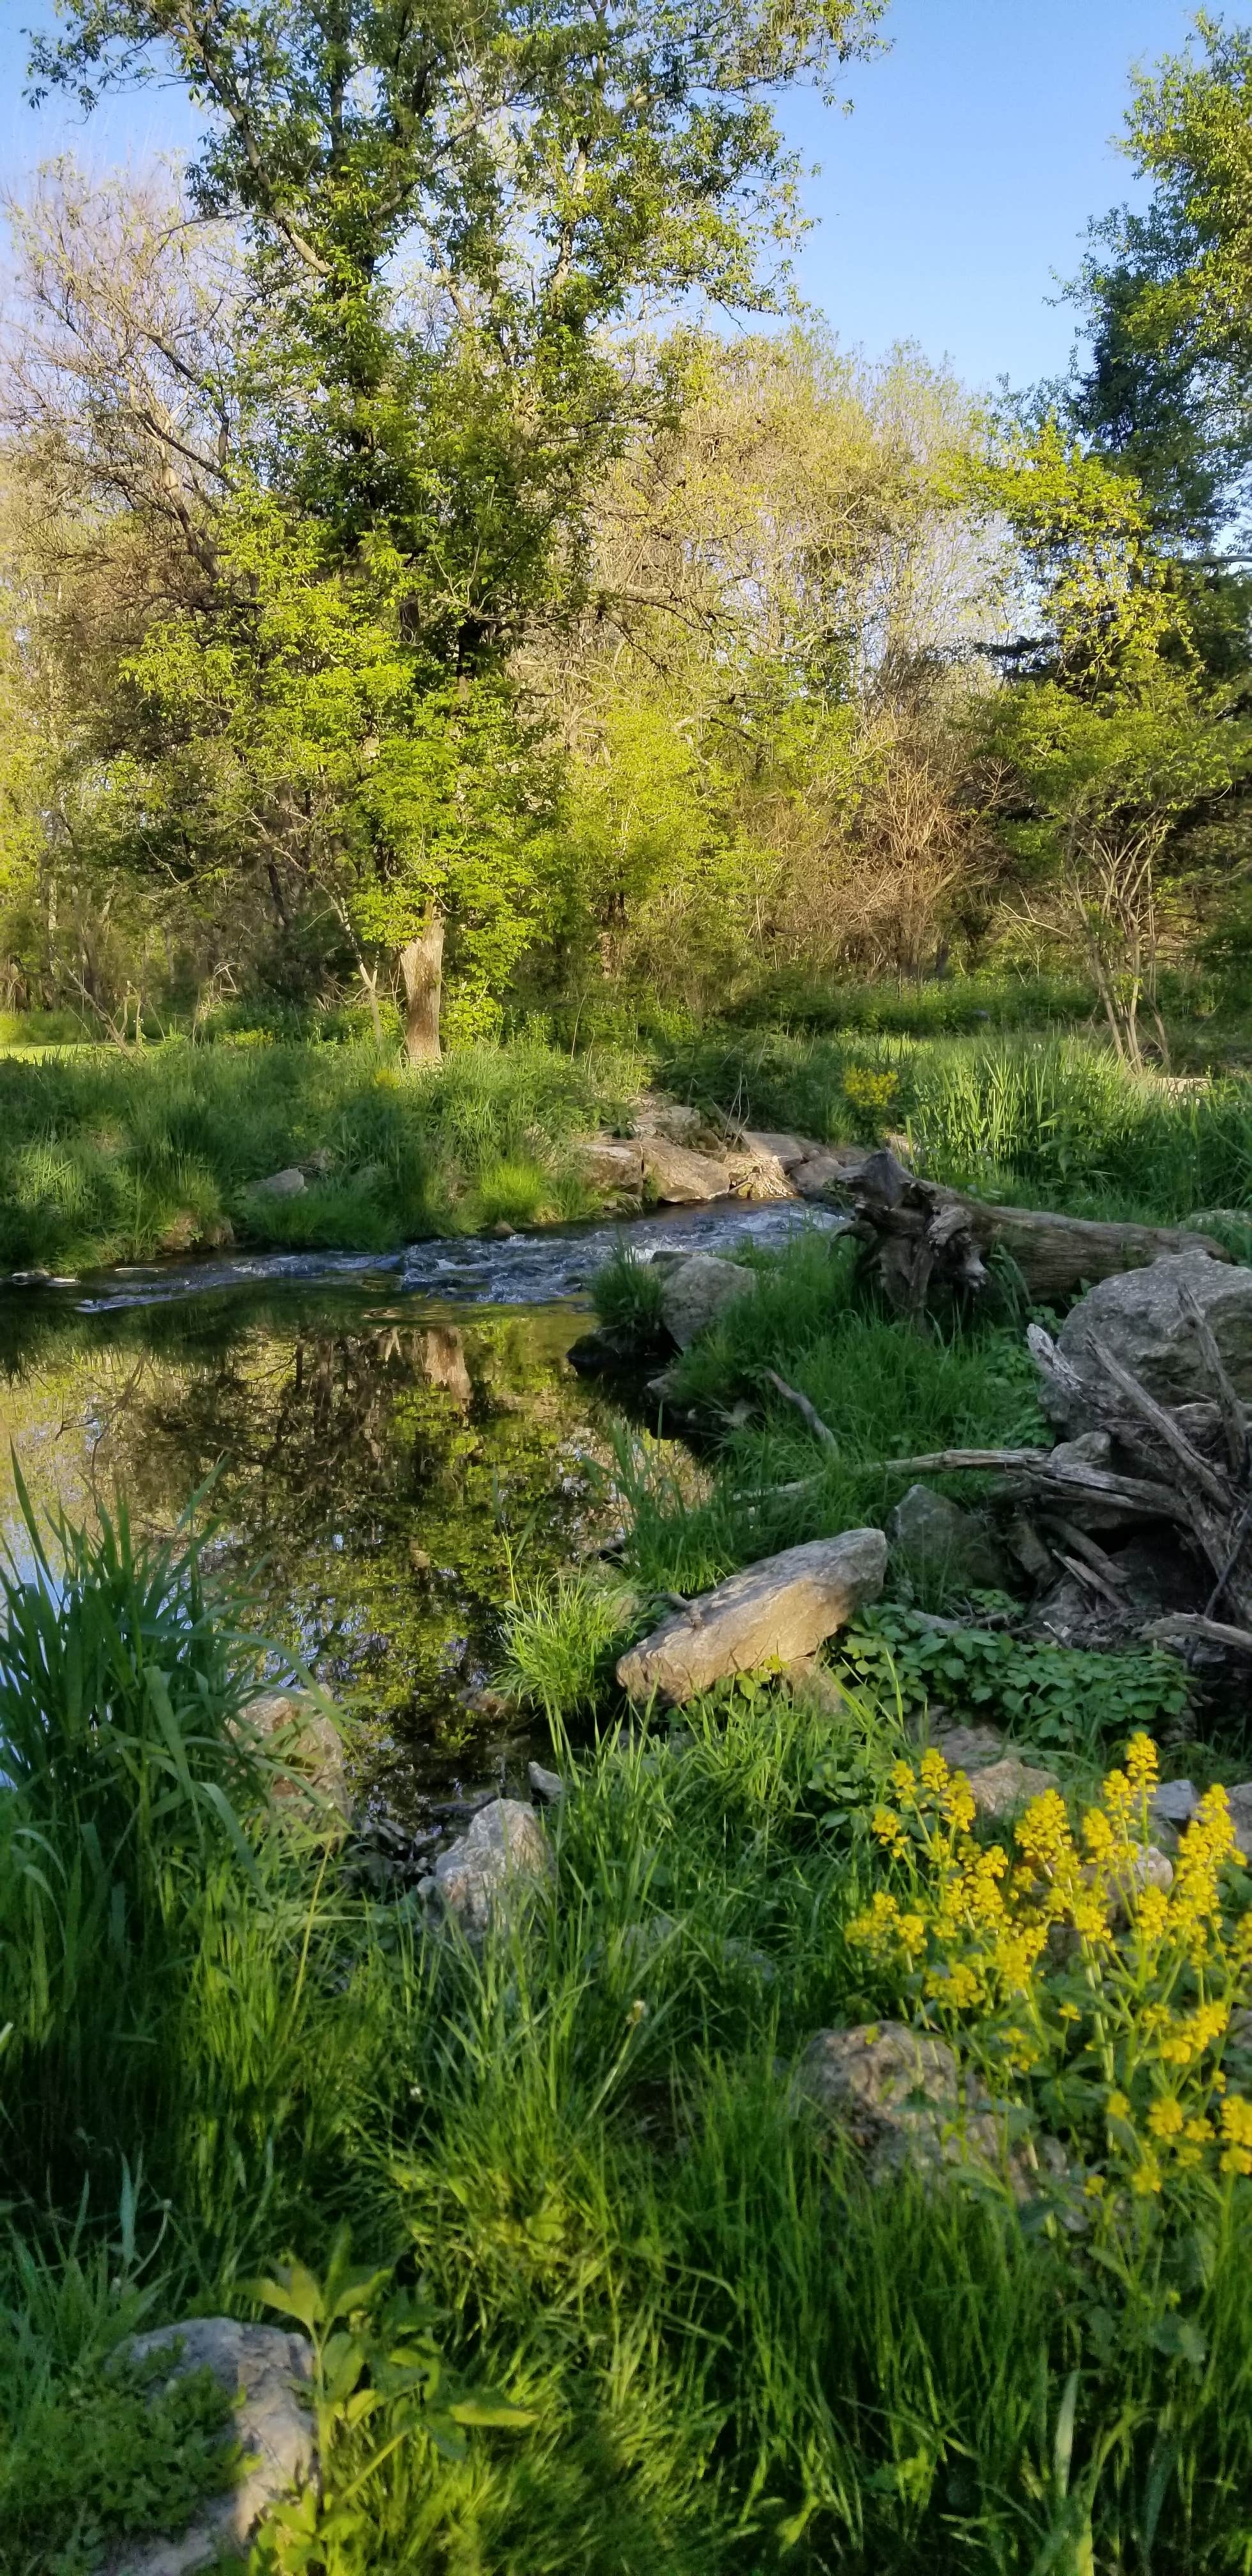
(106,1157)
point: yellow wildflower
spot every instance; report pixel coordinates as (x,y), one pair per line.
(1146,2178)
(1165,2119)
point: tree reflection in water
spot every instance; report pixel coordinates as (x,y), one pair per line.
(381,1472)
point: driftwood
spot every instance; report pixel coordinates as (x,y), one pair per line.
(808,1412)
(918,1235)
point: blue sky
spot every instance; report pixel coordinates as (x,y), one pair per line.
(948,201)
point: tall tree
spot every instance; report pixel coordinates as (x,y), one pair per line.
(455,217)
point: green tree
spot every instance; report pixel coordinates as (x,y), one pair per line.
(1166,296)
(454,220)
(1093,792)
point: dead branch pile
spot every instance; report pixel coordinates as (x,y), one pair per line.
(1187,1467)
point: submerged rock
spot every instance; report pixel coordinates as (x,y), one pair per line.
(492,1867)
(698,1290)
(440,1353)
(772,1612)
(267,2371)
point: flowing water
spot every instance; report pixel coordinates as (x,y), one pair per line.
(385,1446)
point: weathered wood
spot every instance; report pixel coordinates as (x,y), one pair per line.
(917,1232)
(808,1412)
(1158,1420)
(1233,1416)
(1189,1628)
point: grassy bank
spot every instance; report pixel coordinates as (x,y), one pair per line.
(578,2156)
(106,1157)
(1053,1120)
(111,1157)
(653,2308)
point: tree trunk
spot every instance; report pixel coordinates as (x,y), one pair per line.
(421,965)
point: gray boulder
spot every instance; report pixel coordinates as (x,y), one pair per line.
(773,1612)
(1139,1317)
(610,1163)
(939,1539)
(901,2097)
(547,1786)
(1173,1805)
(786,1150)
(268,2372)
(827,1167)
(281,1185)
(492,1868)
(698,1290)
(679,1178)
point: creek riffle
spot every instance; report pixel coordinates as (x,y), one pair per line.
(388,1443)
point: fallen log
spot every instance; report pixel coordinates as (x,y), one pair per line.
(916,1234)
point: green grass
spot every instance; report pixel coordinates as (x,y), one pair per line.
(575,2175)
(105,1157)
(1054,1121)
(883,1393)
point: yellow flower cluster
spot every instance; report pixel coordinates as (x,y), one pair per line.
(1067,1956)
(872,1093)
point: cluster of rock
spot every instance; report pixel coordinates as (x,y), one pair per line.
(675,1155)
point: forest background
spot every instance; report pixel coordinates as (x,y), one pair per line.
(452,587)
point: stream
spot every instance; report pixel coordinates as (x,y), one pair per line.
(389,1443)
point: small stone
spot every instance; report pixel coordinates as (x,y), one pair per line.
(1004,1786)
(497,1862)
(281,1185)
(268,2371)
(548,1786)
(697,1291)
(770,1613)
(1174,1804)
(675,1121)
(1090,1449)
(502,1230)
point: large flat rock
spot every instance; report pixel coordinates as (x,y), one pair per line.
(679,1178)
(774,1612)
(1140,1317)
